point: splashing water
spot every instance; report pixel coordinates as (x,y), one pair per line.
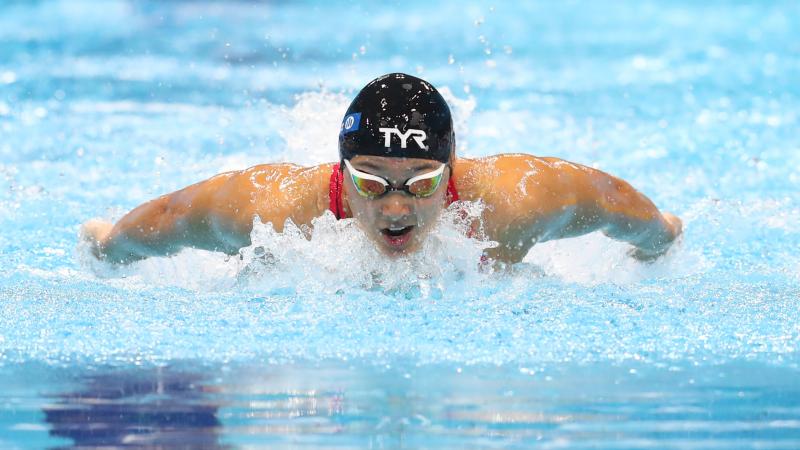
(694,103)
(335,257)
(338,257)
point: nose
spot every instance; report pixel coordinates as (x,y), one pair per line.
(396,205)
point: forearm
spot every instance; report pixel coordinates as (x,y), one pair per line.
(167,224)
(652,236)
(151,229)
(631,217)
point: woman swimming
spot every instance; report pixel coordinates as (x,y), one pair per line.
(397,172)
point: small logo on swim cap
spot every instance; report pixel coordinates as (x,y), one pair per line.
(351,123)
(418,135)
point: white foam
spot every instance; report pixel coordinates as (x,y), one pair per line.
(595,259)
(337,256)
(311,127)
(461,111)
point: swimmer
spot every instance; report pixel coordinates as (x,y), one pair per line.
(397,171)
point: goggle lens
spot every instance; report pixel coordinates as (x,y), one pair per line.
(372,186)
(425,187)
(368,188)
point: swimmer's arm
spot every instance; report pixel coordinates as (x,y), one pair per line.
(603,202)
(191,217)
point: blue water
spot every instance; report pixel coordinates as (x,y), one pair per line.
(106,104)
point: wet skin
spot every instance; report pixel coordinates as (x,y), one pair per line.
(527,200)
(396,209)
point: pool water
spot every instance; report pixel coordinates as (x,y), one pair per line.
(106,104)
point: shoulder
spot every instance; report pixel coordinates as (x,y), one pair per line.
(275,192)
(521,193)
(511,178)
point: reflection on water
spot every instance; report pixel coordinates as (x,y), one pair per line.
(154,408)
(358,405)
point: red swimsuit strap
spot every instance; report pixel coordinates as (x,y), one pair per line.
(452,193)
(335,192)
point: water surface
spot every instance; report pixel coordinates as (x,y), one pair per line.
(104,105)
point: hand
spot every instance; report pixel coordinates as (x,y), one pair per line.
(94,233)
(674,228)
(675,224)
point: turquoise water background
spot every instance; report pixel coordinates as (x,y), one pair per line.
(106,104)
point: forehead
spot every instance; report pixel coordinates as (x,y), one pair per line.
(387,164)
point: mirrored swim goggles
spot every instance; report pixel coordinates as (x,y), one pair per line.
(373,186)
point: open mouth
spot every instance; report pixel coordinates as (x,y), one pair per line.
(395,232)
(397,237)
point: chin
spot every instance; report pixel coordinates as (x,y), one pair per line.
(397,252)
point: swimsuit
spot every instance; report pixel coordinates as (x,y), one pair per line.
(335,192)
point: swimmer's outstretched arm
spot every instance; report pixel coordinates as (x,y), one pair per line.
(215,214)
(548,198)
(165,225)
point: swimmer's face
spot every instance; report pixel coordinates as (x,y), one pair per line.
(397,221)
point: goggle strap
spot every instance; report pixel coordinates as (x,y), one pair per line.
(426,176)
(365,175)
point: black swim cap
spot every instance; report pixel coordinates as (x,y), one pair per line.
(398,115)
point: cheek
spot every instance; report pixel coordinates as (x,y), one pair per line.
(429,210)
(359,208)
